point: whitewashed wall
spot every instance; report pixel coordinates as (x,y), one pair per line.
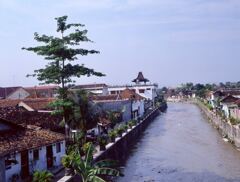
(138,105)
(58,156)
(40,164)
(225,109)
(150,90)
(15,168)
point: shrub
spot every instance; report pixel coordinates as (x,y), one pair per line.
(112,135)
(42,176)
(234,121)
(120,130)
(102,141)
(86,146)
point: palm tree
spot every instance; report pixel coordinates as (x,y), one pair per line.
(85,113)
(42,176)
(91,171)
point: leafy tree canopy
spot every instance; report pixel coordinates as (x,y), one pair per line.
(61,52)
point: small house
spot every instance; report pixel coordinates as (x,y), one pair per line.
(26,149)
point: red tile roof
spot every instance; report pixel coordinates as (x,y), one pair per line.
(42,91)
(229,99)
(105,98)
(124,95)
(35,104)
(24,138)
(9,103)
(43,120)
(43,87)
(88,86)
(130,94)
(237,102)
(39,103)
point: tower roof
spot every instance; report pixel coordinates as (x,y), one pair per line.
(140,78)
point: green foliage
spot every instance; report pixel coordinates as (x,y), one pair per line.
(93,172)
(85,113)
(210,107)
(120,130)
(125,127)
(42,176)
(132,123)
(102,140)
(234,121)
(61,52)
(86,146)
(112,134)
(112,116)
(67,160)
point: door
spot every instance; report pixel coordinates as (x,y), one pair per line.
(24,164)
(49,156)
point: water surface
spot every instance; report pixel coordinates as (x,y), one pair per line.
(181,145)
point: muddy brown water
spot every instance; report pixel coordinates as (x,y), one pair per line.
(180,145)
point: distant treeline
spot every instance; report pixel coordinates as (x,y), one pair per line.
(199,89)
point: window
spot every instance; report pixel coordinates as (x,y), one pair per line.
(10,160)
(58,147)
(148,89)
(36,155)
(113,92)
(141,91)
(8,164)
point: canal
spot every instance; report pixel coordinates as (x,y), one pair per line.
(180,145)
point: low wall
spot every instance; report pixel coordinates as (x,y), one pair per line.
(228,130)
(120,149)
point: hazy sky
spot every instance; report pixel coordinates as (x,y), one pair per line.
(170,41)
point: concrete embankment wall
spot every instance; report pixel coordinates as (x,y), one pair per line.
(232,132)
(120,149)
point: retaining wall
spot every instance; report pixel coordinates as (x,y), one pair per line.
(120,149)
(232,132)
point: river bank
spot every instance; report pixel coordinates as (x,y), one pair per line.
(226,129)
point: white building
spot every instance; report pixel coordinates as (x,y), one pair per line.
(148,91)
(98,88)
(24,150)
(141,87)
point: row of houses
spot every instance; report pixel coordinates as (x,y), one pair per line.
(31,138)
(19,92)
(227,101)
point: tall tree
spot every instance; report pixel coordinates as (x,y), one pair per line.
(61,52)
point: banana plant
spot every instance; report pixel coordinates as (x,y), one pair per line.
(42,176)
(91,171)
